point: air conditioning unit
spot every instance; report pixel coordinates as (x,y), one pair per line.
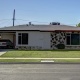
(54,23)
(30,23)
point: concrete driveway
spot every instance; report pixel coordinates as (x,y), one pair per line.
(3,51)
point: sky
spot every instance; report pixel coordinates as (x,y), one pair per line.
(40,11)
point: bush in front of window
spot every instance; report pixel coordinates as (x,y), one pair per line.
(60,46)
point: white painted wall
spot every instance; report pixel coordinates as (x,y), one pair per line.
(46,40)
(41,39)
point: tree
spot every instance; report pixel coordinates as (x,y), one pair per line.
(78,25)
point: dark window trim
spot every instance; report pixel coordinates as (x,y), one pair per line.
(70,38)
(22,42)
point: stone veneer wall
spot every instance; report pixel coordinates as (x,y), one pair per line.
(57,38)
(29,48)
(72,47)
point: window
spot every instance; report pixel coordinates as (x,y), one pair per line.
(68,40)
(23,38)
(73,39)
(19,39)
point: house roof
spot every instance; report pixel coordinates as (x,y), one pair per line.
(40,28)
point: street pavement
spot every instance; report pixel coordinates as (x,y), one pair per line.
(39,71)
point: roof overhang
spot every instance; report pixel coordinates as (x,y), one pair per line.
(67,30)
(41,30)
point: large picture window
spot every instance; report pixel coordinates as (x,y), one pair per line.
(23,38)
(73,39)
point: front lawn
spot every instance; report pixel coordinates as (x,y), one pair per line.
(67,61)
(42,54)
(39,60)
(18,60)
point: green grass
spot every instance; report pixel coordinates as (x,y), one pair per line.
(67,61)
(42,54)
(18,60)
(31,60)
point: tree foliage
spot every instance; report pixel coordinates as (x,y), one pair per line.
(78,25)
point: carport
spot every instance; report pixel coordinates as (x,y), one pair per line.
(9,35)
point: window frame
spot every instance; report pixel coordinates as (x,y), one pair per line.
(20,35)
(70,39)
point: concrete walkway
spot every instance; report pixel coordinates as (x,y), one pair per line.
(40,58)
(3,51)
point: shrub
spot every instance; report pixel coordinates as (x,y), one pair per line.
(60,46)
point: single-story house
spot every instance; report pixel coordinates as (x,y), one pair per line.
(42,36)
